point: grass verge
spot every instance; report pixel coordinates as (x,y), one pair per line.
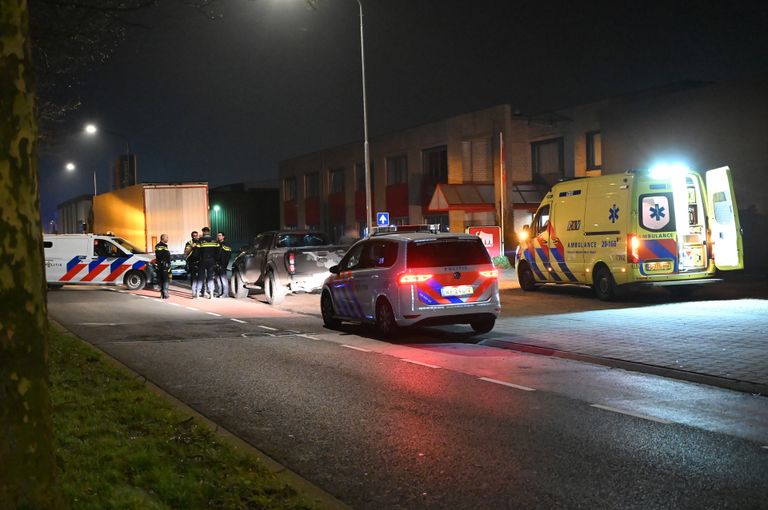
(121,446)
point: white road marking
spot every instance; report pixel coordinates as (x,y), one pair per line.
(630,413)
(144,297)
(766,447)
(303,335)
(267,327)
(238,320)
(355,348)
(193,309)
(419,363)
(97,324)
(509,384)
(173,304)
(214,314)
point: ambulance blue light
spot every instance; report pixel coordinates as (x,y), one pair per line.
(668,170)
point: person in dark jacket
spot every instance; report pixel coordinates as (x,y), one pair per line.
(225,252)
(163,258)
(207,251)
(193,262)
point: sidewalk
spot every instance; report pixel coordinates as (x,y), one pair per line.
(718,338)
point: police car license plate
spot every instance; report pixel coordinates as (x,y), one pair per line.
(457,290)
(660,266)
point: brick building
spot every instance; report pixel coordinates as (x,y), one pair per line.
(451,171)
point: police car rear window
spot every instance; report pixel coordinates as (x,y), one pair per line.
(447,252)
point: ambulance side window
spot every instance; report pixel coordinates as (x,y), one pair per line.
(541,220)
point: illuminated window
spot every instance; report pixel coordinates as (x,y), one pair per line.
(594,150)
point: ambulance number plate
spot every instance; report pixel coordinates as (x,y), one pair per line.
(658,266)
(457,290)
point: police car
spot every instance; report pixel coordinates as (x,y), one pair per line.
(398,278)
(94,259)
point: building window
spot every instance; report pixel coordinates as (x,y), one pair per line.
(547,159)
(360,176)
(289,189)
(397,170)
(312,185)
(436,164)
(594,150)
(336,180)
(337,231)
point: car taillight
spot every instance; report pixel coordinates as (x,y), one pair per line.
(493,273)
(409,278)
(290,262)
(633,248)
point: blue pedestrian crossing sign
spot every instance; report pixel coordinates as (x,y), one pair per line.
(382,219)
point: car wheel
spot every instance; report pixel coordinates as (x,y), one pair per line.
(525,277)
(239,290)
(483,325)
(273,290)
(385,319)
(326,309)
(604,284)
(135,280)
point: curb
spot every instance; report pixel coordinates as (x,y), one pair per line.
(314,494)
(634,366)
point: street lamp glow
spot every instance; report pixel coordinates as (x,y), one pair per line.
(91,129)
(216,208)
(70,167)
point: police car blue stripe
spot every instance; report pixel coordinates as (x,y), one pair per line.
(117,263)
(356,306)
(72,263)
(545,259)
(340,305)
(426,298)
(139,265)
(93,265)
(563,266)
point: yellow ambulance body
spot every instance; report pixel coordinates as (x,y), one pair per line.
(662,226)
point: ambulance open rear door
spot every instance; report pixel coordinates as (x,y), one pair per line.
(723,216)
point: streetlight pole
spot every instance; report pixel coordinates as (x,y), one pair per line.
(91,129)
(368,216)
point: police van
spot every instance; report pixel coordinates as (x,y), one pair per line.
(663,226)
(93,259)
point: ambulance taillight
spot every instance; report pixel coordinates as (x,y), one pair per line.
(633,249)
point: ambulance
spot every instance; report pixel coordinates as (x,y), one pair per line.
(664,226)
(93,259)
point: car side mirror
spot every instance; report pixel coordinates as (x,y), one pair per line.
(334,269)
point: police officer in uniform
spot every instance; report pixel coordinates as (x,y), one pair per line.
(163,258)
(225,252)
(208,252)
(193,262)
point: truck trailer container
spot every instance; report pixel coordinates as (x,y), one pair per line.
(141,213)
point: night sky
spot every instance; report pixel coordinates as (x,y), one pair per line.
(224,101)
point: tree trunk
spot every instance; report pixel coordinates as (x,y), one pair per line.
(27,461)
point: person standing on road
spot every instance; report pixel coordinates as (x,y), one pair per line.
(193,262)
(225,252)
(208,252)
(163,258)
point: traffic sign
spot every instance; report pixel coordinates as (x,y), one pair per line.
(382,219)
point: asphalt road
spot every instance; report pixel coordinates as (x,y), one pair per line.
(435,420)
